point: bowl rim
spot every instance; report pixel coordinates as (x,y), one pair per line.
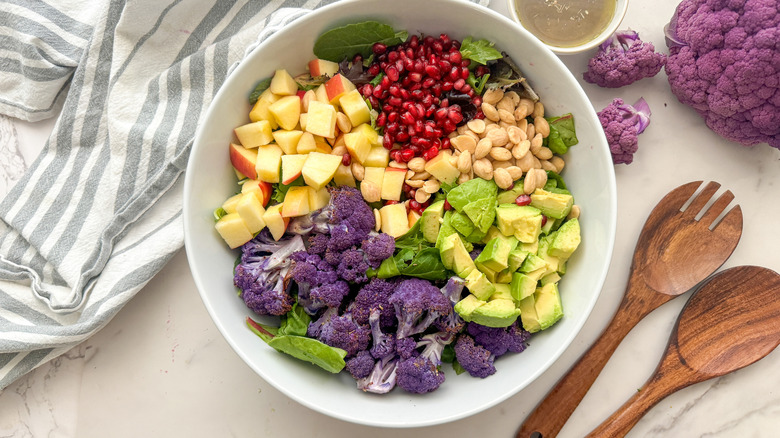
(567,340)
(621,7)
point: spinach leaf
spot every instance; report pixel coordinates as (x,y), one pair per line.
(329,358)
(347,41)
(480,51)
(413,239)
(295,322)
(280,189)
(478,84)
(554,177)
(218,213)
(259,88)
(424,264)
(562,134)
(472,190)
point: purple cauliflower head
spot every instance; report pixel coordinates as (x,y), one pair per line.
(374,295)
(724,62)
(499,340)
(474,358)
(361,365)
(623,59)
(622,125)
(418,303)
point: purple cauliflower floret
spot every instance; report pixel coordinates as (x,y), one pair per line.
(475,359)
(382,378)
(724,62)
(343,332)
(361,365)
(318,244)
(318,283)
(261,273)
(499,340)
(406,347)
(329,295)
(350,219)
(377,248)
(622,125)
(375,295)
(353,266)
(451,322)
(417,305)
(420,374)
(623,59)
(383,344)
(316,325)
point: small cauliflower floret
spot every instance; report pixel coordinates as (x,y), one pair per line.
(418,304)
(622,125)
(622,60)
(421,374)
(374,296)
(499,340)
(361,365)
(343,332)
(377,248)
(475,359)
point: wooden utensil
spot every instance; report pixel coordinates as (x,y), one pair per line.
(731,322)
(673,254)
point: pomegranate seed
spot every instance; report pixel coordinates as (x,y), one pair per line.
(445,65)
(373,101)
(366,90)
(445,143)
(385,83)
(544,220)
(393,56)
(444,103)
(430,153)
(396,156)
(402,137)
(477,101)
(395,101)
(381,119)
(392,117)
(414,205)
(465,63)
(523,200)
(438,47)
(408,208)
(447,205)
(377,91)
(455,57)
(391,202)
(428,40)
(405,94)
(373,70)
(357,59)
(414,41)
(379,48)
(346,159)
(454,114)
(387,107)
(440,114)
(387,140)
(454,74)
(481,71)
(449,126)
(392,73)
(406,155)
(466,89)
(429,82)
(464,73)
(447,86)
(407,118)
(479,115)
(415,76)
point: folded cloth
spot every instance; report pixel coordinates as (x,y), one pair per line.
(98,213)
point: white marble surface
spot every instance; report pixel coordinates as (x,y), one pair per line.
(161,368)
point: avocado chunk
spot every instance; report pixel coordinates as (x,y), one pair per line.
(431,220)
(459,256)
(522,286)
(516,258)
(476,236)
(532,247)
(509,196)
(554,205)
(525,222)
(528,316)
(532,263)
(504,277)
(491,233)
(447,251)
(496,313)
(566,240)
(479,285)
(552,277)
(490,274)
(467,305)
(543,253)
(482,213)
(462,223)
(445,230)
(496,253)
(502,293)
(547,302)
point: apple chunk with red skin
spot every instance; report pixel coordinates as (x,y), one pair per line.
(244,160)
(261,189)
(321,67)
(292,165)
(296,201)
(336,87)
(276,223)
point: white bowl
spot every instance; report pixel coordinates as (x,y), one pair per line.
(210,180)
(621,7)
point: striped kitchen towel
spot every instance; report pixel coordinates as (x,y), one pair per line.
(98,213)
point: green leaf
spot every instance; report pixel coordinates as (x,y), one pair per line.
(478,84)
(328,358)
(413,239)
(259,88)
(470,191)
(265,332)
(219,212)
(347,41)
(480,51)
(280,189)
(458,369)
(295,322)
(562,134)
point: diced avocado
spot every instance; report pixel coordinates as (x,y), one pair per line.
(548,226)
(504,277)
(490,274)
(538,274)
(447,251)
(552,277)
(554,205)
(502,292)
(566,240)
(462,263)
(466,306)
(431,220)
(481,212)
(509,196)
(492,232)
(522,286)
(525,222)
(547,302)
(445,229)
(562,268)
(495,255)
(543,253)
(476,236)
(528,316)
(532,263)
(516,259)
(479,285)
(496,313)
(558,190)
(462,223)
(532,247)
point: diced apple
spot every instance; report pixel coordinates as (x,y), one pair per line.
(243,160)
(302,120)
(292,166)
(287,140)
(358,146)
(287,111)
(321,67)
(254,134)
(319,169)
(442,169)
(322,95)
(251,211)
(233,230)
(321,119)
(336,87)
(394,219)
(261,189)
(413,217)
(344,177)
(370,133)
(393,183)
(355,107)
(378,156)
(269,159)
(306,144)
(296,201)
(276,223)
(230,203)
(318,198)
(371,186)
(283,84)
(321,145)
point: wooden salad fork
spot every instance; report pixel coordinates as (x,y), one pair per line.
(674,253)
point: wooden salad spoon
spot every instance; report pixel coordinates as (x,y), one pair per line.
(673,254)
(729,323)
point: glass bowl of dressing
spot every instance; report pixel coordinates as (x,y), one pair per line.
(569,26)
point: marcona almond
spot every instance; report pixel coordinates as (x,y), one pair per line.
(308,97)
(544,153)
(526,162)
(431,186)
(463,178)
(538,110)
(421,196)
(506,116)
(558,163)
(417,164)
(515,172)
(505,125)
(542,126)
(502,178)
(541,178)
(416,183)
(520,113)
(421,175)
(473,135)
(546,165)
(464,162)
(513,96)
(490,111)
(528,104)
(529,183)
(502,164)
(483,148)
(462,129)
(505,103)
(574,213)
(530,130)
(464,143)
(498,137)
(516,135)
(523,125)
(476,125)
(483,168)
(358,171)
(338,150)
(377,220)
(370,191)
(536,143)
(489,126)
(397,165)
(521,149)
(493,95)
(342,121)
(500,154)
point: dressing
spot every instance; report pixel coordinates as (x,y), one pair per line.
(565,23)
